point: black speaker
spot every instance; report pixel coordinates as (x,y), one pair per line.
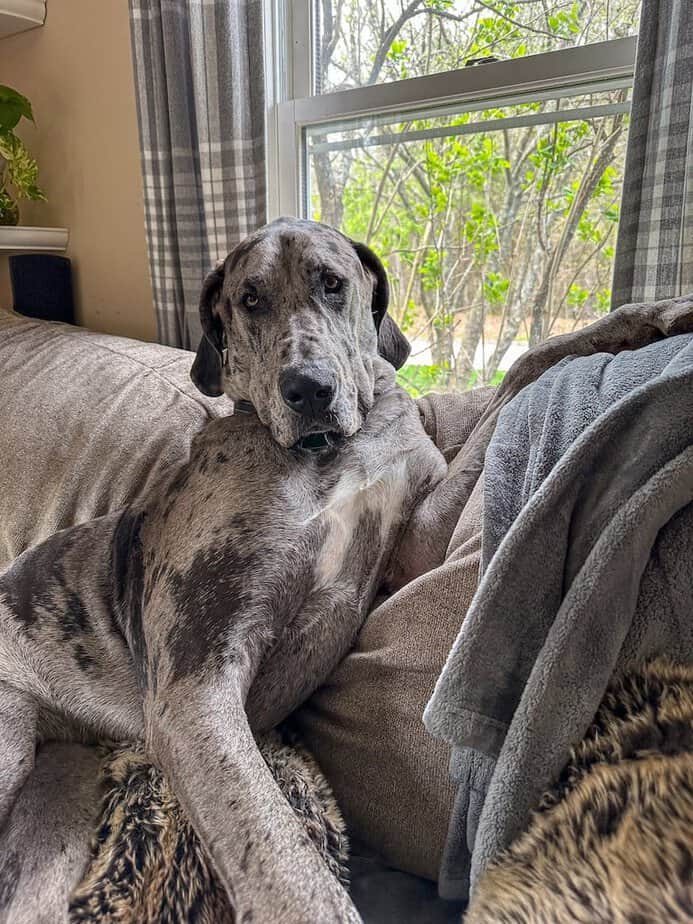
(42,287)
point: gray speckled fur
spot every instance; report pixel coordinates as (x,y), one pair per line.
(227,597)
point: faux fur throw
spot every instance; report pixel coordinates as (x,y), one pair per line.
(147,864)
(613,841)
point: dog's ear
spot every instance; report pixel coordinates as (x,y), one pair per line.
(392,344)
(381,287)
(207,368)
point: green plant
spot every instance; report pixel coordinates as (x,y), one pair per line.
(18,170)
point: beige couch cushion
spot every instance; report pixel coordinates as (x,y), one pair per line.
(88,422)
(364,726)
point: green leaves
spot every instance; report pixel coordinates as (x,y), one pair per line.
(565,23)
(420,379)
(20,169)
(439,5)
(13,107)
(603,301)
(398,49)
(577,296)
(495,288)
(480,229)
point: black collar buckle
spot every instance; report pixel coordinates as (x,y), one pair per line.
(243,407)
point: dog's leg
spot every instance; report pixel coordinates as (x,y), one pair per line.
(201,738)
(425,540)
(63,660)
(18,714)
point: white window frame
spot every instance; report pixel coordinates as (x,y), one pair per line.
(291,107)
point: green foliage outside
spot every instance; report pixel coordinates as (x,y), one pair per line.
(491,236)
(419,380)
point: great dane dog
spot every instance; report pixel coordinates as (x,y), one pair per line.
(208,613)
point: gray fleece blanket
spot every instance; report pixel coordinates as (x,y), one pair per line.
(587,554)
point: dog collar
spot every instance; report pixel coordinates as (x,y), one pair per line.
(243,407)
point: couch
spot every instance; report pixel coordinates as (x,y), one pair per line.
(91,422)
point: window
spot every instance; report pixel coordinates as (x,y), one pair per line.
(476,145)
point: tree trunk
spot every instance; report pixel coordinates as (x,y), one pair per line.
(540,303)
(329,189)
(464,363)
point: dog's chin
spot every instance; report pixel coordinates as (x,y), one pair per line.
(314,435)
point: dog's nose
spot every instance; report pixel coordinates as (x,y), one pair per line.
(306,394)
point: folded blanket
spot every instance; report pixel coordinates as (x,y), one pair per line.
(586,558)
(628,328)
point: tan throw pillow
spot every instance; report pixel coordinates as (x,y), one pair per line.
(364,726)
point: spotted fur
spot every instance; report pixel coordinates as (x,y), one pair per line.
(613,841)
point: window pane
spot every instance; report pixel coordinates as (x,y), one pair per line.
(497,227)
(359,43)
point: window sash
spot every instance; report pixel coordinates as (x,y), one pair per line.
(292,108)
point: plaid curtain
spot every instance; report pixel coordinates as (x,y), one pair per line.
(200,101)
(654,251)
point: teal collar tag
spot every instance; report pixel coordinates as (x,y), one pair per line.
(314,442)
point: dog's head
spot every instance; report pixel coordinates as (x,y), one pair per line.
(293,320)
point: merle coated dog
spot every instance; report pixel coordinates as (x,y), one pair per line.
(208,613)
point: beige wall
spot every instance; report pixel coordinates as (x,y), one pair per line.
(76,69)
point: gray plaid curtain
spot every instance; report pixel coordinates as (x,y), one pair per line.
(200,100)
(654,252)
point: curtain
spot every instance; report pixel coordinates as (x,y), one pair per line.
(199,84)
(654,251)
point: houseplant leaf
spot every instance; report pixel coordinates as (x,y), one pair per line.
(21,170)
(13,106)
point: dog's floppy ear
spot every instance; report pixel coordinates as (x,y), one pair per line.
(207,368)
(392,344)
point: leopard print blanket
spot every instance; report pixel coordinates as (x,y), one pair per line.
(147,865)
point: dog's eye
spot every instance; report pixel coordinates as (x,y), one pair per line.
(250,300)
(332,283)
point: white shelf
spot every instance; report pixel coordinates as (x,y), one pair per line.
(20,15)
(23,239)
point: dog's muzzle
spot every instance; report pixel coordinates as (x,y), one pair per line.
(310,392)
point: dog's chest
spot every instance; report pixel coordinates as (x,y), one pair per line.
(359,517)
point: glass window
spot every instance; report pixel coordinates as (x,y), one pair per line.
(477,146)
(497,226)
(364,43)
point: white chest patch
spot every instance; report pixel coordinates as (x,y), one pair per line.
(348,501)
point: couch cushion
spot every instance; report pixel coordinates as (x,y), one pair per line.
(88,423)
